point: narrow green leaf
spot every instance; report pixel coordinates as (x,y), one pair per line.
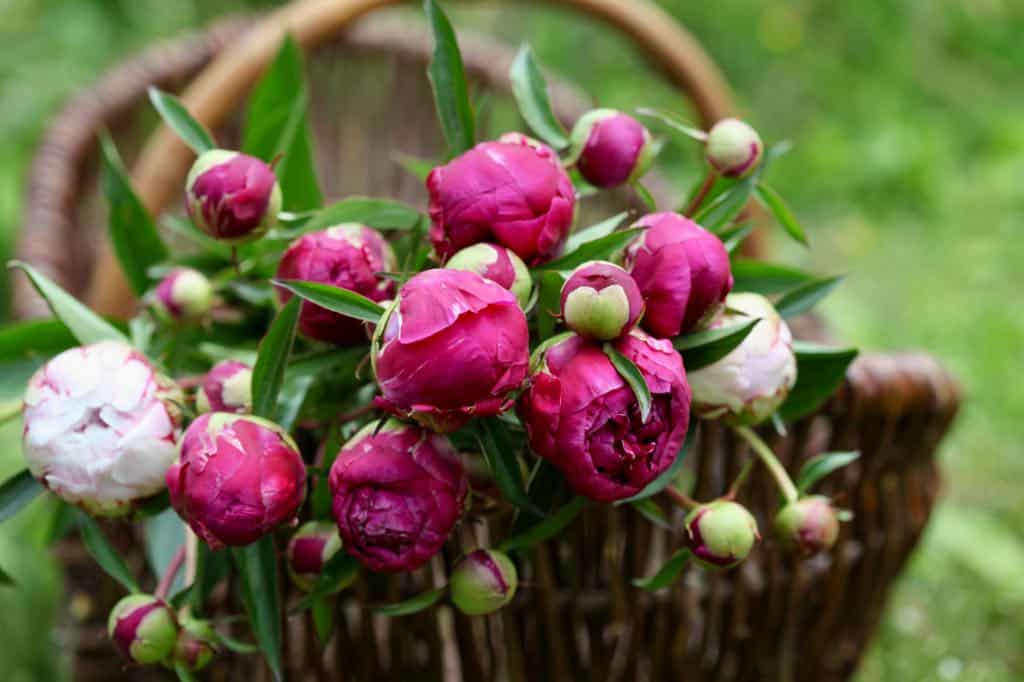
(820,466)
(652,512)
(632,376)
(732,239)
(669,475)
(448,79)
(503,462)
(819,372)
(174,114)
(323,619)
(5,578)
(272,359)
(257,571)
(548,528)
(549,302)
(321,502)
(237,646)
(87,326)
(132,231)
(183,673)
(105,555)
(774,202)
(602,248)
(33,338)
(337,299)
(413,605)
(183,227)
(675,122)
(383,214)
(417,167)
(646,197)
(16,492)
(531,93)
(667,574)
(544,486)
(601,229)
(339,569)
(726,206)
(766,278)
(707,347)
(804,297)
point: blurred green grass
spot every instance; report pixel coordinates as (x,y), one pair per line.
(907,173)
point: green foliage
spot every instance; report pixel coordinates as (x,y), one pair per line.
(258,575)
(448,78)
(531,94)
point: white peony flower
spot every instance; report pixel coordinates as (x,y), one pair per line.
(98,432)
(751,382)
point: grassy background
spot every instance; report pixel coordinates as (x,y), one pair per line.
(907,172)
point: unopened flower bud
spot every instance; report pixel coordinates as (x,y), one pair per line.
(601,301)
(231,196)
(611,148)
(809,525)
(143,628)
(183,295)
(226,388)
(483,582)
(197,644)
(733,148)
(721,533)
(497,264)
(309,550)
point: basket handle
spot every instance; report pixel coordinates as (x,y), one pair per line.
(165,160)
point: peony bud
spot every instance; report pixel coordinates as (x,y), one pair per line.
(583,417)
(721,533)
(601,301)
(397,495)
(349,256)
(809,525)
(197,644)
(100,427)
(226,388)
(497,264)
(751,382)
(733,148)
(611,148)
(682,270)
(237,478)
(231,196)
(483,582)
(182,296)
(143,628)
(514,194)
(453,346)
(309,550)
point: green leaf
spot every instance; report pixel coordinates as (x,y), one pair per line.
(766,278)
(16,492)
(549,302)
(183,227)
(504,465)
(774,202)
(276,125)
(417,167)
(448,79)
(87,326)
(544,486)
(336,299)
(339,569)
(181,122)
(667,574)
(323,619)
(268,373)
(820,466)
(237,646)
(602,248)
(413,605)
(632,376)
(669,475)
(732,239)
(34,338)
(322,501)
(105,555)
(675,122)
(646,197)
(183,673)
(531,93)
(652,512)
(819,372)
(5,578)
(548,528)
(805,296)
(132,231)
(707,347)
(383,214)
(257,571)
(601,229)
(726,206)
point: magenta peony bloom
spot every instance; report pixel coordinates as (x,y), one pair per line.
(583,417)
(611,148)
(734,149)
(601,301)
(683,272)
(497,264)
(348,256)
(397,495)
(226,388)
(510,193)
(453,346)
(183,295)
(237,478)
(231,196)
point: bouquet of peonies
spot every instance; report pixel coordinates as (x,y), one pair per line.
(326,379)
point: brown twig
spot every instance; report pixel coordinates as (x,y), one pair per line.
(680,498)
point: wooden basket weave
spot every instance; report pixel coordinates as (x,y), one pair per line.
(578,617)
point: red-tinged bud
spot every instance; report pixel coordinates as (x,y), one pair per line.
(226,388)
(197,644)
(483,582)
(309,550)
(734,149)
(808,526)
(143,628)
(232,197)
(184,295)
(721,533)
(611,148)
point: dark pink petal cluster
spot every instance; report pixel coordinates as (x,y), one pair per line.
(612,148)
(397,494)
(231,196)
(583,417)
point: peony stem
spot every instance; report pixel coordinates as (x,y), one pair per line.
(680,498)
(9,410)
(766,455)
(702,193)
(741,478)
(170,574)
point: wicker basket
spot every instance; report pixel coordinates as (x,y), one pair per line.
(578,618)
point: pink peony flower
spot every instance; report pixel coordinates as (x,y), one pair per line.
(237,478)
(601,301)
(348,256)
(611,148)
(583,417)
(497,264)
(231,196)
(183,295)
(453,346)
(226,388)
(510,193)
(397,495)
(682,270)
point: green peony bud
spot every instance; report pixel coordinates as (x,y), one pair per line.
(143,628)
(483,582)
(809,525)
(734,148)
(721,533)
(197,644)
